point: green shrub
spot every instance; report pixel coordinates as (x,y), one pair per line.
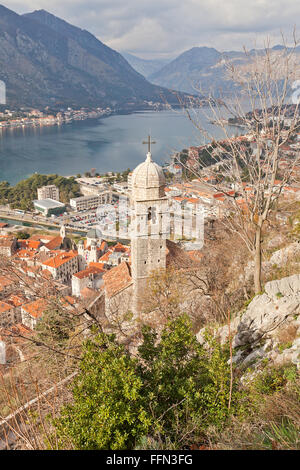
(174,388)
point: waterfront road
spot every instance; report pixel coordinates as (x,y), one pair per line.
(33,220)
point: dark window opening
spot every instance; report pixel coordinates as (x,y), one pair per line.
(151,214)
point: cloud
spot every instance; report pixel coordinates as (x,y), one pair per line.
(168,27)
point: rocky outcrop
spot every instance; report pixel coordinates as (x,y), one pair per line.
(256,330)
(280,257)
(288,254)
(267,312)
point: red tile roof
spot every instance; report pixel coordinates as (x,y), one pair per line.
(117,279)
(88,271)
(36,308)
(34,244)
(60,259)
(4,307)
(97,265)
(54,243)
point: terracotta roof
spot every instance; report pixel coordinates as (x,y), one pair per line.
(120,248)
(193,200)
(4,307)
(46,274)
(105,257)
(40,237)
(42,256)
(24,253)
(35,244)
(179,199)
(60,259)
(97,265)
(117,279)
(33,269)
(54,243)
(22,329)
(16,300)
(103,245)
(88,271)
(14,331)
(36,308)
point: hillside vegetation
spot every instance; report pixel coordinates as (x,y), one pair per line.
(23,193)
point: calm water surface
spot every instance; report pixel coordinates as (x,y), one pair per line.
(108,144)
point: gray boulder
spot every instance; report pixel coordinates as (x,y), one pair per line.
(267,312)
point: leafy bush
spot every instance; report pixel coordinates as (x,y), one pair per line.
(172,388)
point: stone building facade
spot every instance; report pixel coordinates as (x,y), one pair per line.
(149,226)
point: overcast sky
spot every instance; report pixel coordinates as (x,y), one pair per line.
(165,28)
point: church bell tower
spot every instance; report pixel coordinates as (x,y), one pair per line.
(149,225)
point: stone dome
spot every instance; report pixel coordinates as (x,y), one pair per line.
(94,233)
(148,175)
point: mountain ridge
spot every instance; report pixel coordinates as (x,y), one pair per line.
(46,61)
(202,69)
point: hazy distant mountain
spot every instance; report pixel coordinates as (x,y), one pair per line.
(44,60)
(143,66)
(200,68)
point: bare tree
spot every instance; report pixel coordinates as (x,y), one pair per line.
(247,170)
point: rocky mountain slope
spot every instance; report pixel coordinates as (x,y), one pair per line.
(201,68)
(144,66)
(198,68)
(46,61)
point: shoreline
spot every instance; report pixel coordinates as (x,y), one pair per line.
(57,121)
(50,121)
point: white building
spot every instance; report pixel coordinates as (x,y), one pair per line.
(84,203)
(8,246)
(91,249)
(32,312)
(63,266)
(122,187)
(129,182)
(90,277)
(48,192)
(49,206)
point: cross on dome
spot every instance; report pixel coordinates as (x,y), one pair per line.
(149,142)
